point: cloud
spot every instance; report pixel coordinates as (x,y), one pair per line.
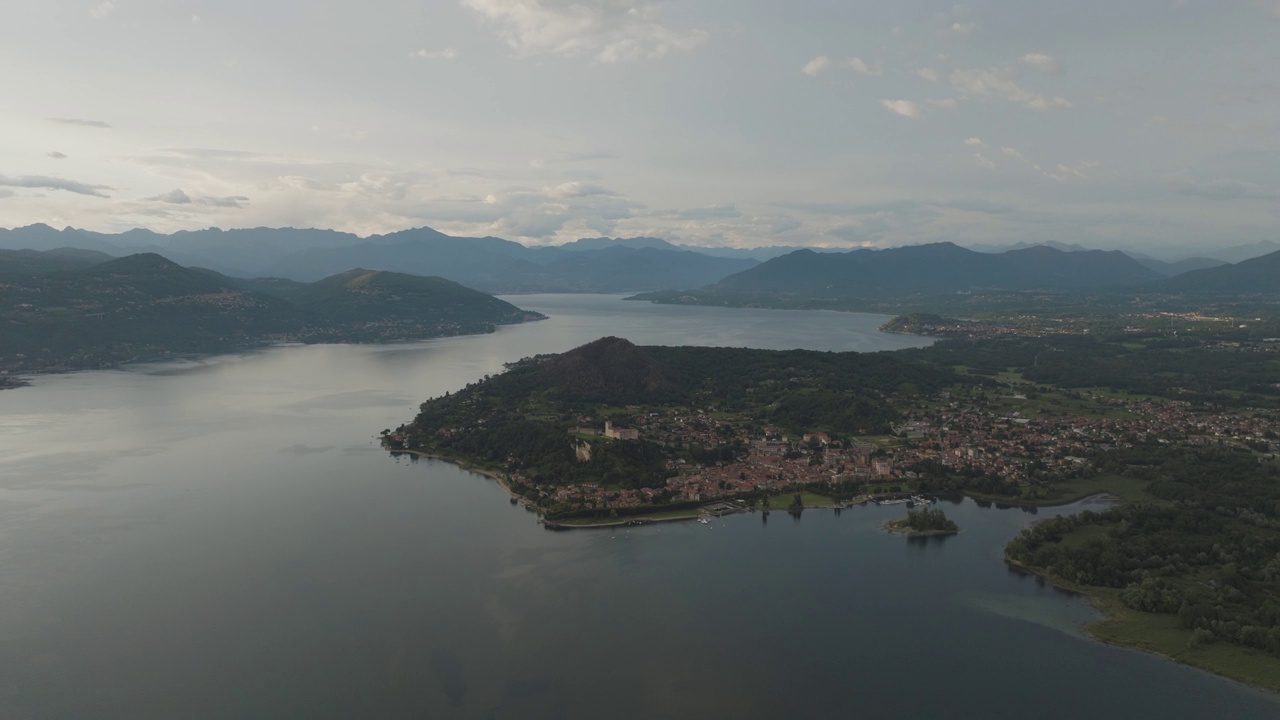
(960,29)
(178,196)
(1002,84)
(606,30)
(1042,62)
(905,108)
(56,155)
(974,142)
(983,161)
(231,201)
(1183,183)
(175,196)
(79,122)
(102,10)
(944,104)
(927,74)
(859,66)
(816,66)
(55,183)
(1014,153)
(578,190)
(445,54)
(6,193)
(822,63)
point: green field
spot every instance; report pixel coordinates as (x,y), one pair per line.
(782,501)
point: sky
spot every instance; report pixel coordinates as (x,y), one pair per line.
(1144,124)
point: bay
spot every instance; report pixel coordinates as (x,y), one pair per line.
(224,538)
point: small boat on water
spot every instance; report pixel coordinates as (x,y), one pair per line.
(704,520)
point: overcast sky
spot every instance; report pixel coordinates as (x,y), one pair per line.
(1142,123)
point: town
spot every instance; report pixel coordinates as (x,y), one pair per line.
(977,434)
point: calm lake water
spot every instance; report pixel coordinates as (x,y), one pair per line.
(225,539)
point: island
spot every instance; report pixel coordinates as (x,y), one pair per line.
(925,522)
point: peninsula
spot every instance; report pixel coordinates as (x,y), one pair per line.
(65,310)
(1175,421)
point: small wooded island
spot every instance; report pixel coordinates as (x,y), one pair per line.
(925,522)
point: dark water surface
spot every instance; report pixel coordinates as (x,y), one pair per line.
(225,539)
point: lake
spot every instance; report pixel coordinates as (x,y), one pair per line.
(225,538)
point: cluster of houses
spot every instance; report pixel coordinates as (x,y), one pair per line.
(960,433)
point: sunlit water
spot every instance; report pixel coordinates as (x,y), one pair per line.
(224,538)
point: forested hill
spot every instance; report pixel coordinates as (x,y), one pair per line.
(1257,275)
(939,267)
(800,389)
(529,412)
(143,305)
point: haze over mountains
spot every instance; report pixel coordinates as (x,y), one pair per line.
(601,264)
(489,264)
(941,267)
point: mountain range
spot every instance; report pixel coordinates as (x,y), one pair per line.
(495,265)
(939,267)
(491,264)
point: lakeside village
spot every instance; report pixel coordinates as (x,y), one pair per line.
(974,436)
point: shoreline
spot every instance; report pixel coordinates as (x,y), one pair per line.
(1113,615)
(571,524)
(1106,606)
(235,349)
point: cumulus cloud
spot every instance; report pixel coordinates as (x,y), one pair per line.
(816,65)
(1014,153)
(960,28)
(56,155)
(445,54)
(974,142)
(983,161)
(55,183)
(822,63)
(1002,84)
(606,30)
(175,196)
(79,122)
(1042,62)
(1184,183)
(860,66)
(178,196)
(577,190)
(102,10)
(905,108)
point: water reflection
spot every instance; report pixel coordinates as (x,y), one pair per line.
(225,538)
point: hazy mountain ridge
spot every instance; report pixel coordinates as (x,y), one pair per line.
(1256,275)
(487,263)
(939,267)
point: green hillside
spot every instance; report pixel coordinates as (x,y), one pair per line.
(145,306)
